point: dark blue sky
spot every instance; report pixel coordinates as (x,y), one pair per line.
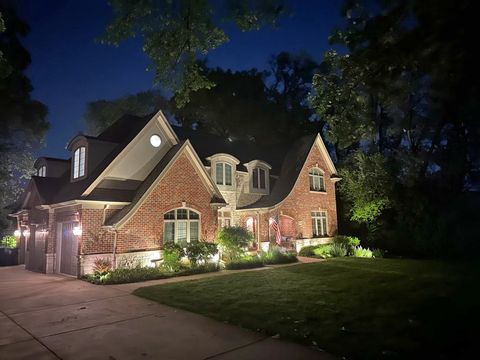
(69,69)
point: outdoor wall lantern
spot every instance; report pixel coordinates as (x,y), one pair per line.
(17,233)
(77,231)
(26,233)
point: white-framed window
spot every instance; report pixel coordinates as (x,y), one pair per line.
(181,226)
(259,178)
(223,174)
(317,180)
(42,171)
(319,223)
(224,219)
(79,162)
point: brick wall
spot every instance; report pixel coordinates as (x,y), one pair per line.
(182,182)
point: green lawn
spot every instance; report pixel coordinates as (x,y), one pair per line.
(357,308)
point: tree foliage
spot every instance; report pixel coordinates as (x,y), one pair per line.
(176,34)
(23,120)
(403,102)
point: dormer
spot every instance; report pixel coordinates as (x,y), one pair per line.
(223,169)
(79,149)
(259,176)
(51,167)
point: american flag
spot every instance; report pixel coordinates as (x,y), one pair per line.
(276,228)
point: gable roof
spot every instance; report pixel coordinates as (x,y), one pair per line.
(291,167)
(122,215)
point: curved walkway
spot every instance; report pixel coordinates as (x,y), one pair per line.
(56,317)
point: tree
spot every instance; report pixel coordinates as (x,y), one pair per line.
(102,113)
(23,120)
(406,92)
(178,33)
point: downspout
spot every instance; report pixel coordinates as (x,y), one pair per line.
(258,230)
(114,253)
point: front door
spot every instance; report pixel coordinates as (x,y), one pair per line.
(69,250)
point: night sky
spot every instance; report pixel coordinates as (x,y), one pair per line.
(69,69)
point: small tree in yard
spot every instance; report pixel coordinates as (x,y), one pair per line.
(232,242)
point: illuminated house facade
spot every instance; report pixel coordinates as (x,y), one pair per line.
(143,182)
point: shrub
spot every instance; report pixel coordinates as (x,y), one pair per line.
(358,251)
(378,253)
(172,254)
(276,256)
(232,241)
(307,250)
(101,266)
(338,250)
(200,251)
(247,262)
(9,242)
(122,276)
(349,242)
(323,251)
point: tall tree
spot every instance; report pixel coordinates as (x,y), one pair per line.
(178,33)
(23,120)
(407,90)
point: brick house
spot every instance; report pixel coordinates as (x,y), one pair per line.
(143,182)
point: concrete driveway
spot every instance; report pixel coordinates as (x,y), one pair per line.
(56,317)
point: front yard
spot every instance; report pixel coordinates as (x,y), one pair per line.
(357,308)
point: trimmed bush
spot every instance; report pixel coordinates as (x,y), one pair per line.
(361,252)
(233,241)
(9,242)
(172,254)
(122,276)
(247,262)
(197,251)
(308,250)
(276,256)
(323,251)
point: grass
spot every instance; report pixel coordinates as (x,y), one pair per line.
(357,308)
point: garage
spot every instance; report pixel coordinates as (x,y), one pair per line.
(67,251)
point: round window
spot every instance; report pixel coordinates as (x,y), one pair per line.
(155,140)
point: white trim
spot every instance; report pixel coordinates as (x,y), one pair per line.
(326,155)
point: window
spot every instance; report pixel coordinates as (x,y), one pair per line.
(79,162)
(224,219)
(223,174)
(319,223)
(181,226)
(259,178)
(317,181)
(42,171)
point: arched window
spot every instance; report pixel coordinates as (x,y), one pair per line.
(42,171)
(181,226)
(79,162)
(223,173)
(317,180)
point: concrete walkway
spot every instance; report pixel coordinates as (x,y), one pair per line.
(57,317)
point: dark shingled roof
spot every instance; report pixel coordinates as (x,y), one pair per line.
(207,144)
(286,163)
(292,165)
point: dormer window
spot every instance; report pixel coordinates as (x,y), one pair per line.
(42,171)
(79,162)
(223,174)
(259,178)
(317,180)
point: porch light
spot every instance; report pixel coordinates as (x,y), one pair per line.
(26,233)
(17,233)
(77,231)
